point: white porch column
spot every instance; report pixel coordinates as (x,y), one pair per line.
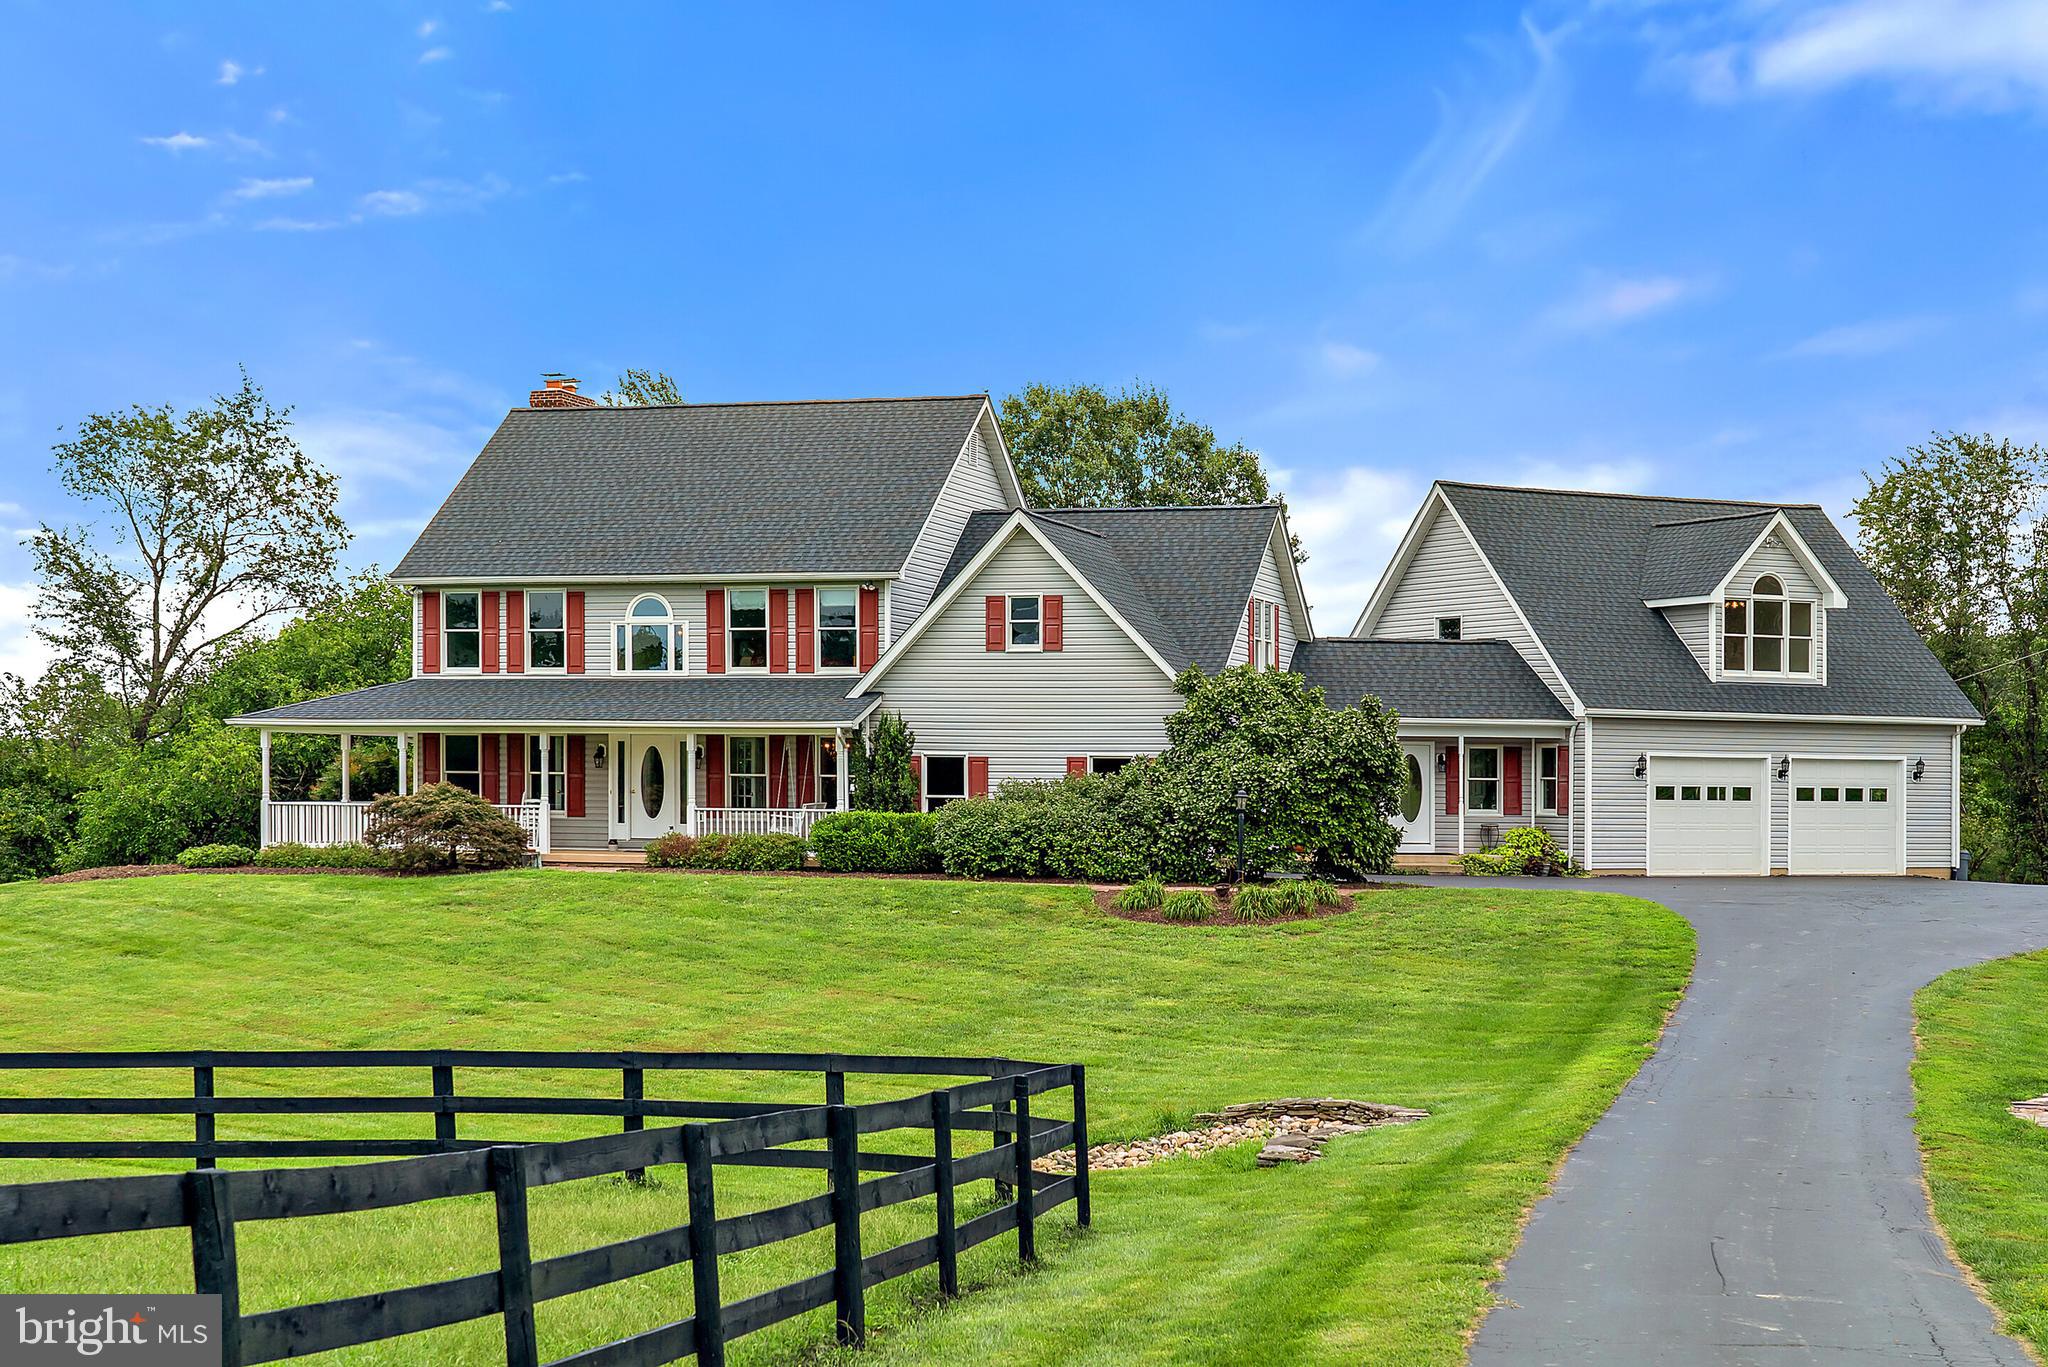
(839,749)
(1571,789)
(546,794)
(263,807)
(399,741)
(344,766)
(1465,789)
(690,782)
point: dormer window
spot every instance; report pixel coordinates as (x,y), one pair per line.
(1767,633)
(651,641)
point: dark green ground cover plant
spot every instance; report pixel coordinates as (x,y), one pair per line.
(216,857)
(442,828)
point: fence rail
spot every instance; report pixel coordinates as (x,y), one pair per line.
(343,823)
(759,820)
(211,1202)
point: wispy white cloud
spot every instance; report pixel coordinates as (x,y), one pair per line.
(1350,520)
(1346,359)
(436,54)
(1610,301)
(271,188)
(392,203)
(373,450)
(14,267)
(179,141)
(1604,475)
(1873,337)
(21,650)
(232,73)
(284,224)
(1476,132)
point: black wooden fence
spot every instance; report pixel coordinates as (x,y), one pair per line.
(211,1202)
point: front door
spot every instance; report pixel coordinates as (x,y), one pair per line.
(654,786)
(1414,816)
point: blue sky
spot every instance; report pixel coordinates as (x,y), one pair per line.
(1740,249)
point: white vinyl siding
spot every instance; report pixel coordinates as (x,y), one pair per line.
(1027,711)
(1618,795)
(1694,624)
(973,486)
(1448,578)
(1267,588)
(589,831)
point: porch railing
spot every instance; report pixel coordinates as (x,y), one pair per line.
(758,820)
(343,823)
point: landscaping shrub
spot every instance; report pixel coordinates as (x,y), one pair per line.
(295,856)
(674,851)
(1256,902)
(1089,826)
(217,856)
(875,842)
(1187,907)
(442,827)
(1523,850)
(1143,895)
(758,853)
(743,853)
(878,773)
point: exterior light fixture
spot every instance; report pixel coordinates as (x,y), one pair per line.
(1919,769)
(597,757)
(1443,758)
(1784,768)
(1238,800)
(1642,765)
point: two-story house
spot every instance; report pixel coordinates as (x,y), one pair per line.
(629,621)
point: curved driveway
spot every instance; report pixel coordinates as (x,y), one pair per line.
(1754,1195)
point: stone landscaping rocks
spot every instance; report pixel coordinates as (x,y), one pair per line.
(1294,1130)
(2035,1110)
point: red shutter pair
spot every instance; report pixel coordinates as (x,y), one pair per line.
(1052,625)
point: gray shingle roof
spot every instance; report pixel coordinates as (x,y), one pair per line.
(810,699)
(1180,576)
(829,487)
(1573,561)
(1427,679)
(1689,559)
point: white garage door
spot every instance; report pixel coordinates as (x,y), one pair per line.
(1845,816)
(1707,815)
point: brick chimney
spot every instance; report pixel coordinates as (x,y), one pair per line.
(559,393)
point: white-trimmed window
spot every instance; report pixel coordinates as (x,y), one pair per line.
(555,782)
(1482,780)
(650,640)
(1025,628)
(828,772)
(945,780)
(1768,633)
(838,628)
(746,629)
(547,631)
(462,633)
(1547,778)
(1450,628)
(1107,764)
(462,762)
(1258,648)
(746,771)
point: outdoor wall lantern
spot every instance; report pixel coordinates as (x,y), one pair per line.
(1784,768)
(1919,769)
(1443,758)
(597,757)
(1642,766)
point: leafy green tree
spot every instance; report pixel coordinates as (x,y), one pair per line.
(205,525)
(1079,446)
(1953,530)
(641,387)
(879,776)
(148,805)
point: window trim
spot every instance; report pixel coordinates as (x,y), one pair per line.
(448,634)
(447,769)
(1554,778)
(1010,623)
(1456,625)
(1122,760)
(818,628)
(767,629)
(924,795)
(527,631)
(1498,780)
(1784,636)
(733,773)
(536,781)
(678,636)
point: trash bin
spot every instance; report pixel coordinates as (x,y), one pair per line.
(1961,872)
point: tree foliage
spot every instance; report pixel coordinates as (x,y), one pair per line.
(879,775)
(208,524)
(638,388)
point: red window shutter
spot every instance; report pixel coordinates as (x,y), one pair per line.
(714,634)
(806,631)
(778,776)
(995,614)
(778,631)
(430,757)
(1564,779)
(515,768)
(515,631)
(1077,764)
(487,610)
(1053,609)
(1451,781)
(573,779)
(977,776)
(870,627)
(573,616)
(1251,631)
(1511,780)
(487,766)
(430,632)
(714,770)
(917,772)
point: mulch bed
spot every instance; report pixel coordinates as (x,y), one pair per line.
(1105,898)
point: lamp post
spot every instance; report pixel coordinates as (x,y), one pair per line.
(1239,799)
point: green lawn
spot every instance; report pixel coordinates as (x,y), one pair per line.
(1982,1047)
(1513,1017)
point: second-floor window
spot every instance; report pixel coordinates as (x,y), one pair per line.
(650,641)
(1025,613)
(462,637)
(838,628)
(547,630)
(1767,632)
(746,633)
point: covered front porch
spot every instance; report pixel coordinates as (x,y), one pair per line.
(1463,784)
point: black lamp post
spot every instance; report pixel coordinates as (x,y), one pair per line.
(1239,799)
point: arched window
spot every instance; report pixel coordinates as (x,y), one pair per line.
(1767,633)
(651,641)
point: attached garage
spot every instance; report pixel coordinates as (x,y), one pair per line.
(1847,816)
(1709,814)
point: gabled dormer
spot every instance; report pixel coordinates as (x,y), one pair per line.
(1746,595)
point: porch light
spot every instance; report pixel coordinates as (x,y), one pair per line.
(597,757)
(1240,798)
(1919,769)
(1784,768)
(1642,765)
(1443,761)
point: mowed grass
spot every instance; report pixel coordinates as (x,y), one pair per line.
(1983,1046)
(1513,1017)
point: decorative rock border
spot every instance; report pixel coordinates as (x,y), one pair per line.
(2035,1110)
(1294,1130)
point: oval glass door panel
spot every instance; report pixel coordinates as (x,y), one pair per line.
(651,781)
(1411,789)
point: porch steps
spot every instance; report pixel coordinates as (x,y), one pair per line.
(593,859)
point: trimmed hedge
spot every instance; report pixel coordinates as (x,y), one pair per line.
(217,857)
(733,853)
(875,842)
(1097,827)
(295,856)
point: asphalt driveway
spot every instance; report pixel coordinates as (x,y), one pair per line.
(1754,1196)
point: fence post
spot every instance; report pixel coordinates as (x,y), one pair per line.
(214,1270)
(942,1165)
(1027,1232)
(1081,1213)
(999,1115)
(444,1115)
(708,1314)
(835,1095)
(848,1287)
(633,1088)
(202,1121)
(515,1257)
